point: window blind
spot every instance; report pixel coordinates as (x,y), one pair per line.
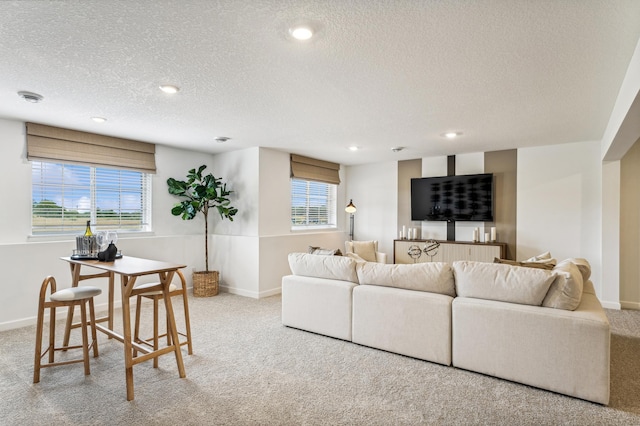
(313,204)
(56,144)
(316,170)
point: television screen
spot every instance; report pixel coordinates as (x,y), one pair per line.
(453,198)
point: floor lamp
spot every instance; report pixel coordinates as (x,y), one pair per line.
(351,209)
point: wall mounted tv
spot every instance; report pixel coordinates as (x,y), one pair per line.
(453,198)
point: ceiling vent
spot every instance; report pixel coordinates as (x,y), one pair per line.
(34,98)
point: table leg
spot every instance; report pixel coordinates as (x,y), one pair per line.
(166,280)
(111,287)
(126,284)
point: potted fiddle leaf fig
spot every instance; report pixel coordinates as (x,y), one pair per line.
(199,194)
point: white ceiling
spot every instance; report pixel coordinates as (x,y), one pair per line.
(379,73)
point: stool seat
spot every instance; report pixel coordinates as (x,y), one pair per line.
(68,297)
(75,293)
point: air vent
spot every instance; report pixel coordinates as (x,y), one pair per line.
(34,98)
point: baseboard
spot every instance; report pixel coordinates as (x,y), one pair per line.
(629,305)
(251,294)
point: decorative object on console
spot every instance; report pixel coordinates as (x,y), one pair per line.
(351,209)
(476,235)
(431,248)
(199,194)
(414,252)
(493,234)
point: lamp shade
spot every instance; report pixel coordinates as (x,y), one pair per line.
(350,207)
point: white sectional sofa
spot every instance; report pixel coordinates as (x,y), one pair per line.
(544,328)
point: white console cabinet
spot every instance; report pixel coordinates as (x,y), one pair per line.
(447,251)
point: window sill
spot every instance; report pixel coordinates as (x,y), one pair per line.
(72,237)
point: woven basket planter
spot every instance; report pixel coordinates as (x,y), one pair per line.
(205,284)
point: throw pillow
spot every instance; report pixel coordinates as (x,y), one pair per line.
(365,249)
(526,264)
(325,252)
(566,290)
(543,258)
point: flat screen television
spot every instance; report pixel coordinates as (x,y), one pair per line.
(453,198)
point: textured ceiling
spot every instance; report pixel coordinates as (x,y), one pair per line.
(379,74)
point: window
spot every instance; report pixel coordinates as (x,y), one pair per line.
(313,204)
(66,196)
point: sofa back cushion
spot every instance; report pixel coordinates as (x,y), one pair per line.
(433,277)
(505,283)
(566,290)
(329,267)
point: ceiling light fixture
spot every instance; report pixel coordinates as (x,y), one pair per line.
(301,32)
(34,98)
(397,148)
(452,135)
(221,139)
(168,88)
(354,148)
(99,119)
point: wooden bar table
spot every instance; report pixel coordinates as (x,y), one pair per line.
(130,268)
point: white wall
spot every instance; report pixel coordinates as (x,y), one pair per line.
(26,260)
(374,190)
(559,203)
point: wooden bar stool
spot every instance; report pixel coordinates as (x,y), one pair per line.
(156,297)
(68,297)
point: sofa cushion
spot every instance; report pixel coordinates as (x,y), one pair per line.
(330,267)
(566,290)
(433,277)
(505,283)
(583,265)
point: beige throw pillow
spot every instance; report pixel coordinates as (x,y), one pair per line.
(365,249)
(566,290)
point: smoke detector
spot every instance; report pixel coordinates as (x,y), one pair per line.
(221,139)
(397,148)
(34,98)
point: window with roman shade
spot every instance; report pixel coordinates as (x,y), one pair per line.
(313,193)
(79,177)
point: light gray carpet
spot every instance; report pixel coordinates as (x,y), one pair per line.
(250,370)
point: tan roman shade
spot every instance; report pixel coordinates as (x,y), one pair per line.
(57,144)
(312,169)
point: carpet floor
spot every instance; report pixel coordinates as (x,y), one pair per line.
(248,369)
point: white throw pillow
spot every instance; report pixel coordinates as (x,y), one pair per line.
(330,267)
(566,290)
(434,277)
(505,283)
(543,258)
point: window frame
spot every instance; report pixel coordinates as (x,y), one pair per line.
(93,184)
(331,205)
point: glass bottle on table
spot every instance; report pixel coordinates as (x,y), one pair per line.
(87,232)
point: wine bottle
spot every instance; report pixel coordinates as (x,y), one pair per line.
(87,232)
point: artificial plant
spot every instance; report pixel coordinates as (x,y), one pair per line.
(201,193)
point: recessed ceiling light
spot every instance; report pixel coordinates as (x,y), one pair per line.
(168,88)
(99,119)
(221,139)
(34,98)
(354,148)
(301,32)
(452,135)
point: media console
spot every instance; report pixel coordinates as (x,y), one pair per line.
(420,251)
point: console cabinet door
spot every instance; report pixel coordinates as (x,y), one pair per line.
(446,252)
